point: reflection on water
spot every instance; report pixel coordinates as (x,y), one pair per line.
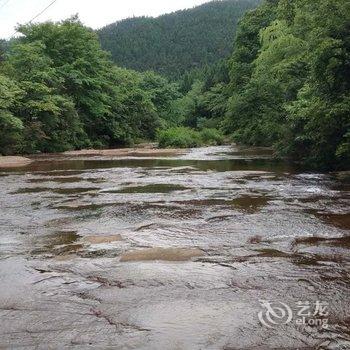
(153,188)
(171,253)
(71,166)
(250,203)
(339,220)
(55,190)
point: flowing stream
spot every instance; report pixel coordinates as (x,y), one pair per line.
(173,253)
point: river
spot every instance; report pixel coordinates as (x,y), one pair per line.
(180,252)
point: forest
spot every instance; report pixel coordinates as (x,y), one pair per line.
(283,83)
(175,43)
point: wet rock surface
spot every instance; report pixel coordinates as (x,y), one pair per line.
(165,254)
(102,239)
(112,252)
(13,162)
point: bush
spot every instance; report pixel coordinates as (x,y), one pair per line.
(182,137)
(212,137)
(179,137)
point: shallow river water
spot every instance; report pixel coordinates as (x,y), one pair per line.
(219,248)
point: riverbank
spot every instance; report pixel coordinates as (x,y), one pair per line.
(143,150)
(131,152)
(14,161)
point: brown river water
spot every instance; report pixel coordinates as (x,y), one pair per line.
(174,253)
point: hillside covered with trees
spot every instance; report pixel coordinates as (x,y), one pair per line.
(175,43)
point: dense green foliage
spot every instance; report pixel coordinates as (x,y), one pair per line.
(11,127)
(205,96)
(290,80)
(285,85)
(184,137)
(60,91)
(211,136)
(178,137)
(175,43)
(3,48)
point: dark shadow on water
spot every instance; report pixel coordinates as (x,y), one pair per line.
(152,188)
(250,204)
(55,190)
(342,242)
(204,165)
(341,220)
(85,206)
(63,179)
(272,253)
(57,243)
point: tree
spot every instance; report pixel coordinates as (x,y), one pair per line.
(11,127)
(49,118)
(163,95)
(73,95)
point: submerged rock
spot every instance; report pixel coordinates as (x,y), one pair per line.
(166,254)
(14,162)
(102,239)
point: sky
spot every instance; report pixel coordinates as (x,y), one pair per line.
(94,14)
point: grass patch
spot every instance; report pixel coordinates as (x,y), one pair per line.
(182,137)
(179,137)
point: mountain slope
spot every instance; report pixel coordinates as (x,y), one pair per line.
(174,43)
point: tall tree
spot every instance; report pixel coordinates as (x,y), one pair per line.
(73,95)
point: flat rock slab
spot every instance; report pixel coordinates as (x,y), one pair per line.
(102,239)
(126,152)
(165,254)
(14,162)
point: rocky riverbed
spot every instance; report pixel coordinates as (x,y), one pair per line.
(173,251)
